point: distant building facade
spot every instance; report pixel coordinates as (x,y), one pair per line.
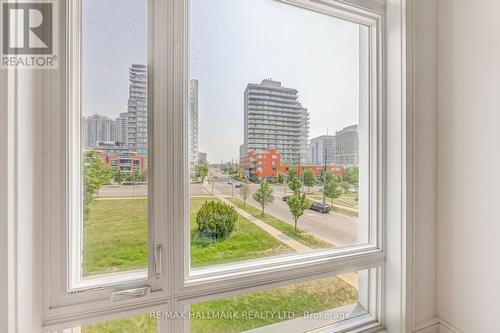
(125,162)
(122,128)
(96,129)
(274,118)
(202,158)
(323,149)
(347,146)
(137,117)
(268,164)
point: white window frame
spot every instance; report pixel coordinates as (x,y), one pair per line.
(177,286)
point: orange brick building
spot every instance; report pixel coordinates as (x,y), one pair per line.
(126,162)
(267,164)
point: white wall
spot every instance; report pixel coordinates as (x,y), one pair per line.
(468,165)
(425,159)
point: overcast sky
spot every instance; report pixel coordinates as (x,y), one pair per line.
(233,43)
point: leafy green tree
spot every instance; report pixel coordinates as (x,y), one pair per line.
(144,175)
(216,220)
(295,184)
(134,176)
(119,176)
(96,173)
(325,176)
(345,186)
(292,173)
(309,179)
(202,172)
(351,176)
(244,193)
(281,178)
(264,195)
(333,190)
(298,203)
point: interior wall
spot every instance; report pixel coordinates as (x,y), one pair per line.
(468,173)
(425,158)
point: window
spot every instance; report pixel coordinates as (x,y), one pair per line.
(112,231)
(181,198)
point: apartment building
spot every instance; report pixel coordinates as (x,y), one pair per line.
(275,118)
(322,149)
(137,136)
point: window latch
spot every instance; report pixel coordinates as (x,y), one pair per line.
(158,259)
(129,293)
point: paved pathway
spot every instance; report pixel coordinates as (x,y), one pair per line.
(297,246)
(349,278)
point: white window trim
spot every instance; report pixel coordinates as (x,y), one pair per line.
(397,245)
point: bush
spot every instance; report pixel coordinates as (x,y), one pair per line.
(216,220)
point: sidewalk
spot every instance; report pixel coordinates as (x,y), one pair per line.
(297,246)
(349,278)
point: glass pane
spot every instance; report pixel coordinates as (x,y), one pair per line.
(114,136)
(297,308)
(138,324)
(278,131)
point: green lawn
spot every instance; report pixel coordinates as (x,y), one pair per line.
(286,228)
(314,296)
(247,241)
(138,324)
(115,236)
(115,239)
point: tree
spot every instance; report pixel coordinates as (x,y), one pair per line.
(216,220)
(202,172)
(309,179)
(351,176)
(96,173)
(244,193)
(292,173)
(333,190)
(119,176)
(281,178)
(295,184)
(298,203)
(345,186)
(325,176)
(264,195)
(135,176)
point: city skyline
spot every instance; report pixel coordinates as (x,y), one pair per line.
(327,83)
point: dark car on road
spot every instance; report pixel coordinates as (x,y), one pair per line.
(285,198)
(320,207)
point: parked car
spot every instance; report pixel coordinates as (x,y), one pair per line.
(320,207)
(285,198)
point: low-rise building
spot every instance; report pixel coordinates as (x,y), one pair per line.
(267,165)
(126,162)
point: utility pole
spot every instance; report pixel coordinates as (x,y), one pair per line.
(285,183)
(300,178)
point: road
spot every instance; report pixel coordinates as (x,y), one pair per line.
(335,228)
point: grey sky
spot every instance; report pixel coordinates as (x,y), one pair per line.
(114,36)
(233,42)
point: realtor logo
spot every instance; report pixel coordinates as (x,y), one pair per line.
(28,35)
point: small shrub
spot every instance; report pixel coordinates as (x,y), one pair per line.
(216,220)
